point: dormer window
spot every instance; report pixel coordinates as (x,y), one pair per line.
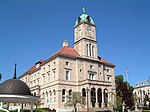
(79,19)
(88,19)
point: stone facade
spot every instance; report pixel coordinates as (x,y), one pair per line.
(77,69)
(141,90)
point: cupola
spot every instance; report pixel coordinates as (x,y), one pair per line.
(84,18)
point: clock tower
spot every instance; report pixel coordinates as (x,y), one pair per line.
(85,36)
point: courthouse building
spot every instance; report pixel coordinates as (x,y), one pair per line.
(74,69)
(142,89)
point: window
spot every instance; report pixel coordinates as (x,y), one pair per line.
(91,76)
(63,95)
(87,49)
(48,66)
(50,93)
(43,97)
(54,92)
(38,80)
(70,92)
(44,69)
(48,76)
(109,79)
(67,75)
(143,92)
(54,74)
(43,79)
(108,70)
(91,67)
(67,63)
(80,70)
(93,51)
(54,63)
(90,49)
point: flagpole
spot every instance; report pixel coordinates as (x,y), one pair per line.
(127,77)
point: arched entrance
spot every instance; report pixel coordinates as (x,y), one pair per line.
(99,97)
(106,97)
(83,92)
(93,97)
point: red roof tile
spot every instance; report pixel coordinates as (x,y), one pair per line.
(67,50)
(105,61)
(34,67)
(31,69)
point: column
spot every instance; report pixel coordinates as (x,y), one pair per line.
(31,110)
(97,103)
(108,99)
(103,104)
(88,99)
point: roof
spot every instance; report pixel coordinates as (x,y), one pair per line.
(14,87)
(105,61)
(34,67)
(84,18)
(67,51)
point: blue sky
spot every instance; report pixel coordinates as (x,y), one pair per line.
(31,30)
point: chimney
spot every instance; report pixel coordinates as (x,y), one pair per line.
(65,43)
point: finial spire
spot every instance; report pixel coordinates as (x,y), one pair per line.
(15,72)
(84,10)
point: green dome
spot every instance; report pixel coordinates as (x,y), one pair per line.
(84,18)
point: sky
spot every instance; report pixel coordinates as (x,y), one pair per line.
(31,30)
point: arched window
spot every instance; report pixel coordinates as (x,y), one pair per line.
(87,49)
(63,95)
(50,93)
(83,92)
(99,97)
(70,91)
(54,92)
(106,97)
(43,96)
(90,49)
(93,51)
(93,97)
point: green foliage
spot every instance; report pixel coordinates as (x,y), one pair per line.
(42,110)
(74,99)
(2,111)
(0,76)
(124,92)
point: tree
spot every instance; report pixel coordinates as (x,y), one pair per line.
(124,92)
(74,99)
(0,76)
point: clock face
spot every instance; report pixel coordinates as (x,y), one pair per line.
(90,29)
(79,29)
